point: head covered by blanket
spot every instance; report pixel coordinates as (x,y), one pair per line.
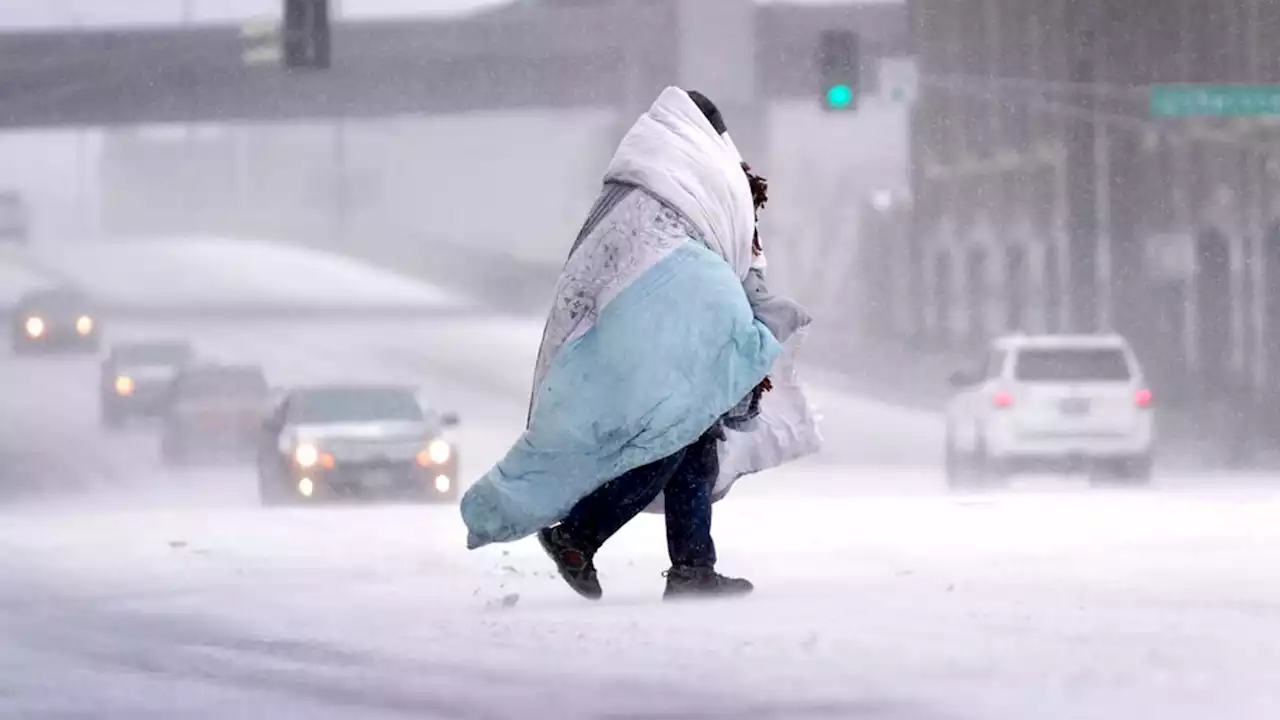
(674,152)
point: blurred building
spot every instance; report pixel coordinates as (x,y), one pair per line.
(1047,197)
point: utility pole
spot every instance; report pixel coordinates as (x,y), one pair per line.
(1253,176)
(81,152)
(1260,210)
(1081,174)
(1181,195)
(1105,259)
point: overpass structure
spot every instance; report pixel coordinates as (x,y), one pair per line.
(554,54)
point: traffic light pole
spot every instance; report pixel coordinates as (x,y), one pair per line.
(307,34)
(839,66)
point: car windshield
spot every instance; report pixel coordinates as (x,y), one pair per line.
(152,354)
(1072,365)
(223,383)
(56,301)
(336,405)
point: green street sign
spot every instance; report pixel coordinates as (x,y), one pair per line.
(1178,101)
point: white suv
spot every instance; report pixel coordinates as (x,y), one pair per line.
(1059,403)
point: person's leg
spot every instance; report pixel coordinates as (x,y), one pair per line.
(573,543)
(687,503)
(688,510)
(600,515)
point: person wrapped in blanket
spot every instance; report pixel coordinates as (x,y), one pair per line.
(687,476)
(660,339)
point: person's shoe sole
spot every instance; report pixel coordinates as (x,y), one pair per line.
(700,596)
(587,593)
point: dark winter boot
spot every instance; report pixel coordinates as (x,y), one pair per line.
(575,563)
(684,582)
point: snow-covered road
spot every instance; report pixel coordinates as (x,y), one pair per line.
(131,592)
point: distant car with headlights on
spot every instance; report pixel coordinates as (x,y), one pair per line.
(213,413)
(356,441)
(135,379)
(53,320)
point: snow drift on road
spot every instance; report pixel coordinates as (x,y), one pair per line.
(1052,606)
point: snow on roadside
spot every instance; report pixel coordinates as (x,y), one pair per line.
(206,273)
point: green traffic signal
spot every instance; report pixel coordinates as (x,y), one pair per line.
(839,96)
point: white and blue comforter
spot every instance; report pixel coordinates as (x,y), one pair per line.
(652,337)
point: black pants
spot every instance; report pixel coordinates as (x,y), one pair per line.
(687,478)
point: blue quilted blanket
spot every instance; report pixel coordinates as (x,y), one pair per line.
(667,355)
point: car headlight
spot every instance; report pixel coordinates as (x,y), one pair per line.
(84,324)
(438,452)
(124,385)
(34,327)
(306,455)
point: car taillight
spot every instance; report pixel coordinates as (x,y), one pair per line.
(1143,398)
(1002,399)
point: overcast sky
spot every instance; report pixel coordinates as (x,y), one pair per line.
(63,13)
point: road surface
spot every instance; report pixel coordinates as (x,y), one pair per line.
(129,591)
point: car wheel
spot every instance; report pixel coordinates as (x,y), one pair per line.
(1129,472)
(1137,471)
(954,466)
(273,489)
(986,472)
(980,467)
(969,471)
(173,452)
(270,494)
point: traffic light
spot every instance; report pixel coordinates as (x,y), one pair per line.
(839,69)
(306,34)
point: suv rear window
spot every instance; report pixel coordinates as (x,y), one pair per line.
(1071,365)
